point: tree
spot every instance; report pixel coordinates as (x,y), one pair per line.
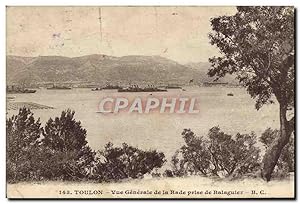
(64,133)
(65,147)
(257,46)
(195,156)
(23,138)
(219,154)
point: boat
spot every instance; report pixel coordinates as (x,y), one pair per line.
(173,87)
(107,87)
(59,87)
(86,86)
(215,84)
(96,89)
(138,89)
(111,87)
(10,97)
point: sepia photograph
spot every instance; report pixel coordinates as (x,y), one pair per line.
(150,102)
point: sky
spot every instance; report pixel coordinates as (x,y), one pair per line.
(177,33)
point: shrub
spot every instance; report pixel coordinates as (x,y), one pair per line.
(193,157)
(65,147)
(286,160)
(23,138)
(64,133)
(63,153)
(233,156)
(220,154)
(168,173)
(116,163)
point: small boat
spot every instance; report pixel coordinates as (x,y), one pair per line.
(10,97)
(173,87)
(230,94)
(96,89)
(104,112)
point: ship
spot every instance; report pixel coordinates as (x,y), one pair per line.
(10,98)
(173,87)
(96,89)
(59,87)
(215,84)
(112,87)
(136,88)
(107,87)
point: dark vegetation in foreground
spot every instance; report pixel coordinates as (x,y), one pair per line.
(59,151)
(222,155)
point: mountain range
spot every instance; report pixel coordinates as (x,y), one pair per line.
(102,69)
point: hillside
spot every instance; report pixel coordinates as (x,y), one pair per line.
(101,69)
(203,68)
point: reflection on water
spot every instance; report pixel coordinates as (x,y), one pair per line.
(155,131)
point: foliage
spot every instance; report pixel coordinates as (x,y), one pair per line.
(62,153)
(59,151)
(115,163)
(23,138)
(257,45)
(64,133)
(194,155)
(65,146)
(219,154)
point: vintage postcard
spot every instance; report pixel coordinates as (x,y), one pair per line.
(156,102)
